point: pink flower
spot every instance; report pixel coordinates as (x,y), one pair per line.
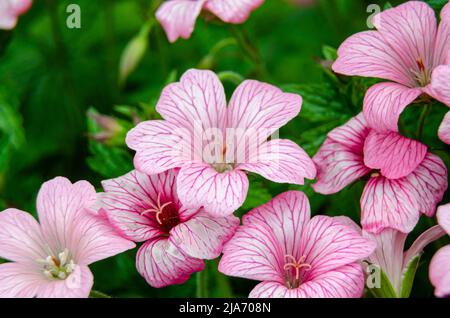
(407,49)
(439,274)
(213,145)
(51,259)
(405,179)
(178,16)
(391,257)
(10,11)
(294,255)
(177,239)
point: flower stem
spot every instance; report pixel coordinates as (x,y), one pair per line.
(423,117)
(231,77)
(202,283)
(98,294)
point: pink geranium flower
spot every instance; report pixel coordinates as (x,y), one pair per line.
(439,273)
(177,239)
(10,10)
(51,259)
(391,257)
(407,49)
(213,145)
(297,256)
(178,16)
(405,179)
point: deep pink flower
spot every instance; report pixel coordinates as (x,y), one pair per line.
(294,255)
(51,259)
(177,239)
(407,49)
(178,16)
(405,179)
(213,145)
(10,10)
(390,254)
(439,273)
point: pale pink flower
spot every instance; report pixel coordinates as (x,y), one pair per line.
(214,144)
(51,259)
(178,16)
(10,10)
(146,209)
(391,257)
(405,179)
(294,255)
(444,129)
(439,273)
(407,49)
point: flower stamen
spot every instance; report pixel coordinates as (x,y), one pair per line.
(158,209)
(297,265)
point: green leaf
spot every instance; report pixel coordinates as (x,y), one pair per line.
(330,53)
(408,276)
(257,194)
(385,290)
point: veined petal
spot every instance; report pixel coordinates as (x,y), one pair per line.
(281,161)
(178,17)
(19,280)
(329,243)
(384,103)
(394,155)
(254,253)
(93,239)
(443,216)
(21,239)
(439,274)
(344,282)
(444,129)
(443,38)
(160,146)
(233,11)
(259,109)
(59,203)
(340,159)
(368,54)
(410,30)
(432,234)
(439,88)
(219,193)
(203,236)
(127,197)
(77,285)
(389,204)
(287,215)
(162,264)
(196,103)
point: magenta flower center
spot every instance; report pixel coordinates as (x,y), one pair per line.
(294,269)
(422,75)
(57,267)
(166,214)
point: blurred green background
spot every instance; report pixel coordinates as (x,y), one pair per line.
(55,82)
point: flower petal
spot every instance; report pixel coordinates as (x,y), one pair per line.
(161,263)
(177,17)
(19,281)
(344,282)
(389,203)
(253,253)
(439,274)
(443,38)
(219,193)
(93,239)
(259,109)
(439,88)
(286,215)
(10,11)
(443,216)
(21,238)
(329,243)
(432,234)
(281,161)
(444,129)
(160,146)
(77,285)
(203,236)
(126,197)
(340,159)
(233,11)
(59,203)
(394,155)
(368,54)
(384,102)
